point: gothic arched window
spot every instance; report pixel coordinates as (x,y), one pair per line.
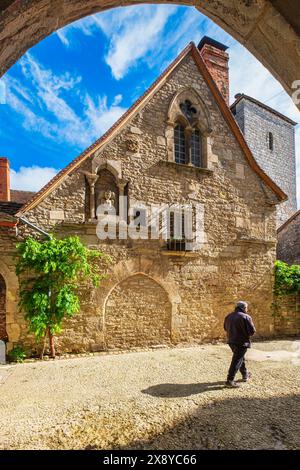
(179,144)
(195,142)
(188,130)
(187,145)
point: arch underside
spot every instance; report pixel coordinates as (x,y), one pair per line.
(11,328)
(264,27)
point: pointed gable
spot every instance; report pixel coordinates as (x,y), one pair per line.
(137,106)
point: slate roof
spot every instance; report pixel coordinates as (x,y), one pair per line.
(10,207)
(21,196)
(241,96)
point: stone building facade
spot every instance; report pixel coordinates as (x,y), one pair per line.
(271,138)
(178,144)
(288,246)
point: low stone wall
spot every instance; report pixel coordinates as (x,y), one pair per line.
(287,315)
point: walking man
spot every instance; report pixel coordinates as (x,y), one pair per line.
(239,327)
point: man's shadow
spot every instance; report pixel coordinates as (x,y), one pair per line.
(182,390)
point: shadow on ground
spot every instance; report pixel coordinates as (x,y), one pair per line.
(238,422)
(182,390)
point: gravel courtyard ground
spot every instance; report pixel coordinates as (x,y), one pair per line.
(160,399)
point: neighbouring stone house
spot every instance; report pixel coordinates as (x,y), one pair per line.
(288,246)
(178,144)
(271,138)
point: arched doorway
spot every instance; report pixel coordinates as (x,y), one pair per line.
(268,28)
(3,332)
(137,314)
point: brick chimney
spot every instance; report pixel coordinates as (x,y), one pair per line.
(4,179)
(216,60)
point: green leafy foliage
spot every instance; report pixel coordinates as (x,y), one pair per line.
(17,354)
(287,279)
(51,274)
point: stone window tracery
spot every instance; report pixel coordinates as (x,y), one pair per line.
(196,159)
(188,130)
(179,144)
(188,110)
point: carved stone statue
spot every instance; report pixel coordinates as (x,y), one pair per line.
(107,198)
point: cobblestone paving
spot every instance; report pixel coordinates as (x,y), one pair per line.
(161,399)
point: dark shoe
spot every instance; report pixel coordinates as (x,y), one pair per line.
(231,384)
(247,377)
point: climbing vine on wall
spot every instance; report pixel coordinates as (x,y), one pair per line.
(286,305)
(287,279)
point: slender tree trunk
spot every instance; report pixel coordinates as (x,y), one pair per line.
(51,337)
(51,343)
(44,345)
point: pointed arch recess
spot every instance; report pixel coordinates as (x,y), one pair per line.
(137,313)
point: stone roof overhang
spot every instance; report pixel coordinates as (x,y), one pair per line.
(287,222)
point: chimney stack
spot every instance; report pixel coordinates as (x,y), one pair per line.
(216,60)
(4,179)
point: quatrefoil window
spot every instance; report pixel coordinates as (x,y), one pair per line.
(188,110)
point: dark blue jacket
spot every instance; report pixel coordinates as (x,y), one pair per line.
(239,327)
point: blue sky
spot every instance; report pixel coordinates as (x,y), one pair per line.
(70,88)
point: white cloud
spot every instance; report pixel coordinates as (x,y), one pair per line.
(48,107)
(100,116)
(49,86)
(63,36)
(117,100)
(2,92)
(133,33)
(131,40)
(31,178)
(86,26)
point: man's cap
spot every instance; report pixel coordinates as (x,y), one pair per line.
(242,304)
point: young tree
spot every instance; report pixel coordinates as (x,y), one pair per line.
(51,273)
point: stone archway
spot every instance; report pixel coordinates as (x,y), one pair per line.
(12,320)
(3,332)
(268,28)
(138,313)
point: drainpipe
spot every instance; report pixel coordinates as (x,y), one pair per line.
(35,227)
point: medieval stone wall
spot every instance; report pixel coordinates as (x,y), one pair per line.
(234,262)
(3,334)
(288,246)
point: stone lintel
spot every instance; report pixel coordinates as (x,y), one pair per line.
(181,166)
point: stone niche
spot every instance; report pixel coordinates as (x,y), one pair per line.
(104,187)
(107,191)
